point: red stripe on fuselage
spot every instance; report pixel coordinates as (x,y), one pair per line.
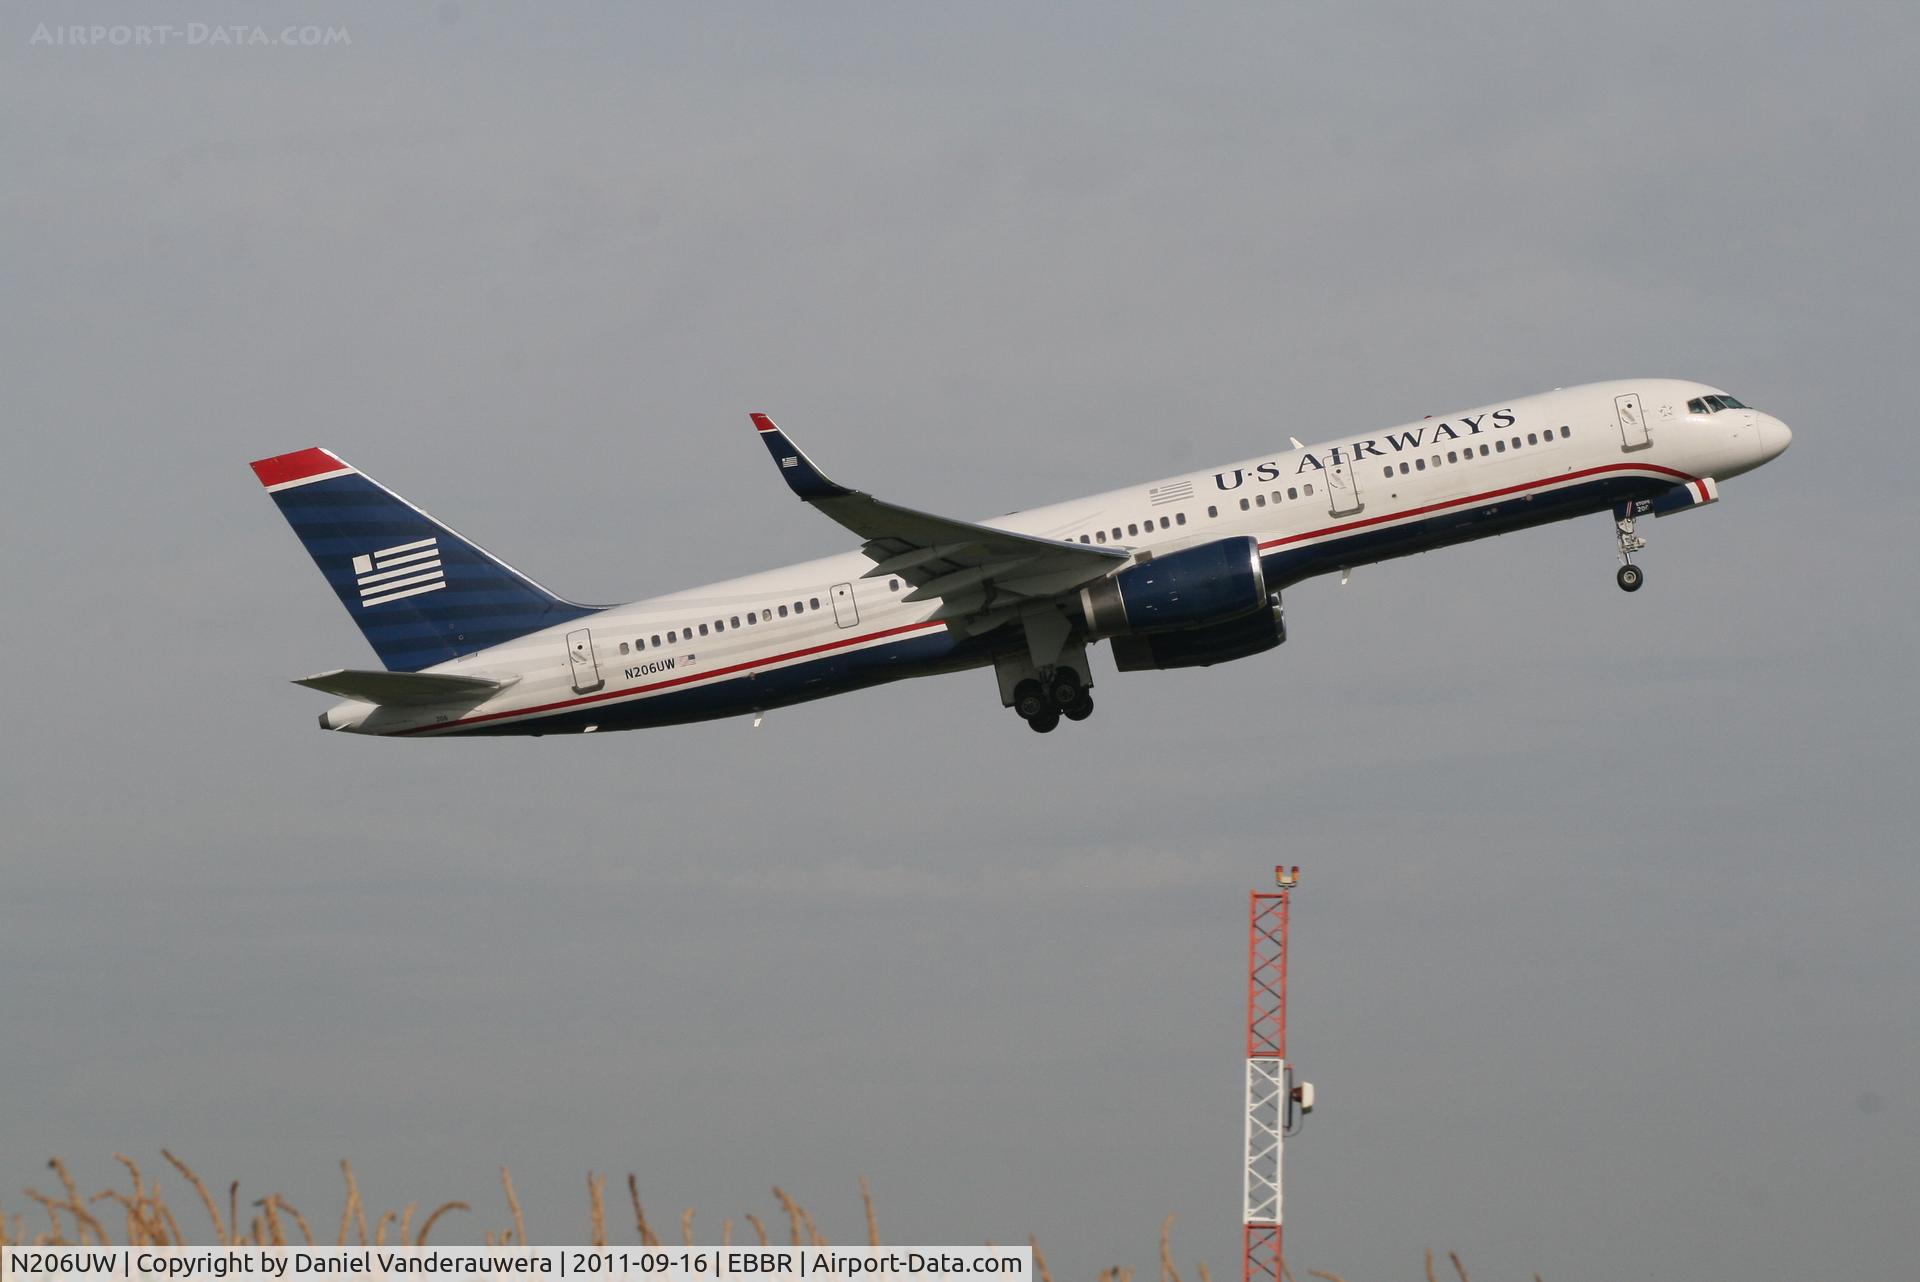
(297,466)
(684,679)
(1472,499)
(731,669)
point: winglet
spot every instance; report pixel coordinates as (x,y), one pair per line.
(802,477)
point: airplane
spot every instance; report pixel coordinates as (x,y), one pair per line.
(1181,572)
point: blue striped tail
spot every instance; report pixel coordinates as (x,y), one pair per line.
(420,592)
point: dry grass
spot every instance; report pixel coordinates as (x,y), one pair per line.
(142,1216)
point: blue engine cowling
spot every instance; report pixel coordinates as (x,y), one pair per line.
(1203,647)
(1195,587)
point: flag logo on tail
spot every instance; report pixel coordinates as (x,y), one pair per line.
(403,571)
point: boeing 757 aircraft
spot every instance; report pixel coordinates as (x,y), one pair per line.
(1178,573)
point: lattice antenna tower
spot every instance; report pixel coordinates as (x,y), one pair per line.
(1273,1104)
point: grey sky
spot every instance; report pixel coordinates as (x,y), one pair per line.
(1606,955)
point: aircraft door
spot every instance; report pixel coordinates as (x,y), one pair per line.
(1343,489)
(1633,425)
(845,613)
(586,670)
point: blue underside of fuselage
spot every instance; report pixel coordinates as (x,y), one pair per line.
(1287,566)
(938,650)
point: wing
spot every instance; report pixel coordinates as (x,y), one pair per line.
(975,570)
(402,687)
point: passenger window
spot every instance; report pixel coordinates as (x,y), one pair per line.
(1116,534)
(1453,456)
(673,638)
(719,625)
(893,585)
(1100,535)
(1388,472)
(1565,431)
(1276,498)
(1533,438)
(1292,493)
(813,603)
(1419,465)
(1436,460)
(752,618)
(1484,451)
(783,611)
(639,643)
(1405,469)
(1165,524)
(656,640)
(703,629)
(1213,511)
(1499,447)
(1307,489)
(1085,539)
(623,647)
(1179,518)
(1133,529)
(736,620)
(797,607)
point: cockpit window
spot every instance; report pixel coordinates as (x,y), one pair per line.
(1713,404)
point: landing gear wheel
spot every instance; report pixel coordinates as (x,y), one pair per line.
(1045,722)
(1030,700)
(1064,689)
(1081,710)
(1629,578)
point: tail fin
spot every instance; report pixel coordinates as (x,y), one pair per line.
(421,593)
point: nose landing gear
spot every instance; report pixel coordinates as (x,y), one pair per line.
(1630,576)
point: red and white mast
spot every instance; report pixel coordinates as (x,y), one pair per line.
(1273,1102)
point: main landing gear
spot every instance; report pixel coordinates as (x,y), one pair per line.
(1630,576)
(1041,704)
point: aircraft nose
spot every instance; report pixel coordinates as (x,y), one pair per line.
(1775,436)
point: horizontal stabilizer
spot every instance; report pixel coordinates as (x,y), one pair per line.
(403,687)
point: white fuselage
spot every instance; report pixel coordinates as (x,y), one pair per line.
(796,632)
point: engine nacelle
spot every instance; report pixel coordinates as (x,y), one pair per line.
(1195,587)
(1203,647)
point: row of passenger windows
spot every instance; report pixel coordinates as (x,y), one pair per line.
(1134,528)
(674,636)
(1498,447)
(1260,500)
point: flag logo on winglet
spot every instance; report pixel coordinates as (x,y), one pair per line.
(402,571)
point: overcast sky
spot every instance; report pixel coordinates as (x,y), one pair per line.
(1605,962)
